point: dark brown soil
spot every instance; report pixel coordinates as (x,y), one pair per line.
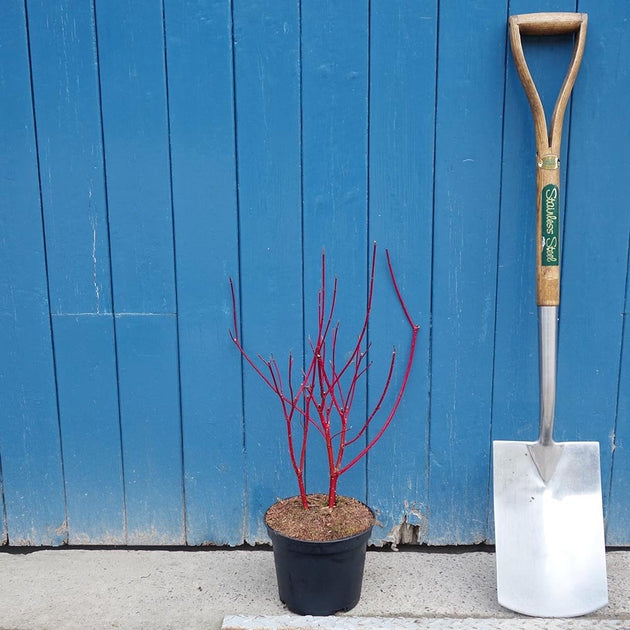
(319,522)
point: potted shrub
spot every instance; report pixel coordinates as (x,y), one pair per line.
(319,540)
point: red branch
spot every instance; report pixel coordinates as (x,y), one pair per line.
(321,396)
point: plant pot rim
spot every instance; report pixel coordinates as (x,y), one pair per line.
(315,543)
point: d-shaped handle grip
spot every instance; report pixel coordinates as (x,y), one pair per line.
(549,23)
(548,140)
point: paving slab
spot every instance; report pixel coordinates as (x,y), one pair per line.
(286,622)
(142,589)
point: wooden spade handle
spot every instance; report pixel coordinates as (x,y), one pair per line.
(548,141)
(549,23)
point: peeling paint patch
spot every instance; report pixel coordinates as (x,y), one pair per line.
(412,529)
(404,534)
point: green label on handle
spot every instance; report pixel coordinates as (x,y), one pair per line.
(550,226)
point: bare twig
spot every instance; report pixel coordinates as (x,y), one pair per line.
(321,395)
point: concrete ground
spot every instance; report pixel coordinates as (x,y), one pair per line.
(105,589)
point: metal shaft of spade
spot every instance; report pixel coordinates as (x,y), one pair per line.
(548,346)
(546,452)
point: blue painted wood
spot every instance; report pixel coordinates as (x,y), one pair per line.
(335,66)
(601,129)
(467,178)
(402,93)
(267,101)
(4,536)
(151,432)
(66,95)
(135,127)
(131,59)
(77,247)
(30,447)
(203,139)
(199,55)
(618,512)
(90,428)
(591,329)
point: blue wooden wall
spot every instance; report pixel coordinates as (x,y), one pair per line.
(152,149)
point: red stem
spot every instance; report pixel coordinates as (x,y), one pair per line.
(323,391)
(415,328)
(379,403)
(332,490)
(357,347)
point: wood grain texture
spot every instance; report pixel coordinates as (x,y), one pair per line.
(548,138)
(617,508)
(403,47)
(595,256)
(30,446)
(335,65)
(150,150)
(67,110)
(135,128)
(199,56)
(77,250)
(466,223)
(549,23)
(151,432)
(267,101)
(90,429)
(132,67)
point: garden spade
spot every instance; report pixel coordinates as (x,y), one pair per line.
(549,527)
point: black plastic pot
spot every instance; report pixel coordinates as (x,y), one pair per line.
(319,578)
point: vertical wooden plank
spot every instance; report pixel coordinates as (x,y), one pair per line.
(4,536)
(596,257)
(402,121)
(266,48)
(591,329)
(131,53)
(470,86)
(199,55)
(515,409)
(67,111)
(65,80)
(133,87)
(30,448)
(88,406)
(618,513)
(147,354)
(335,66)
